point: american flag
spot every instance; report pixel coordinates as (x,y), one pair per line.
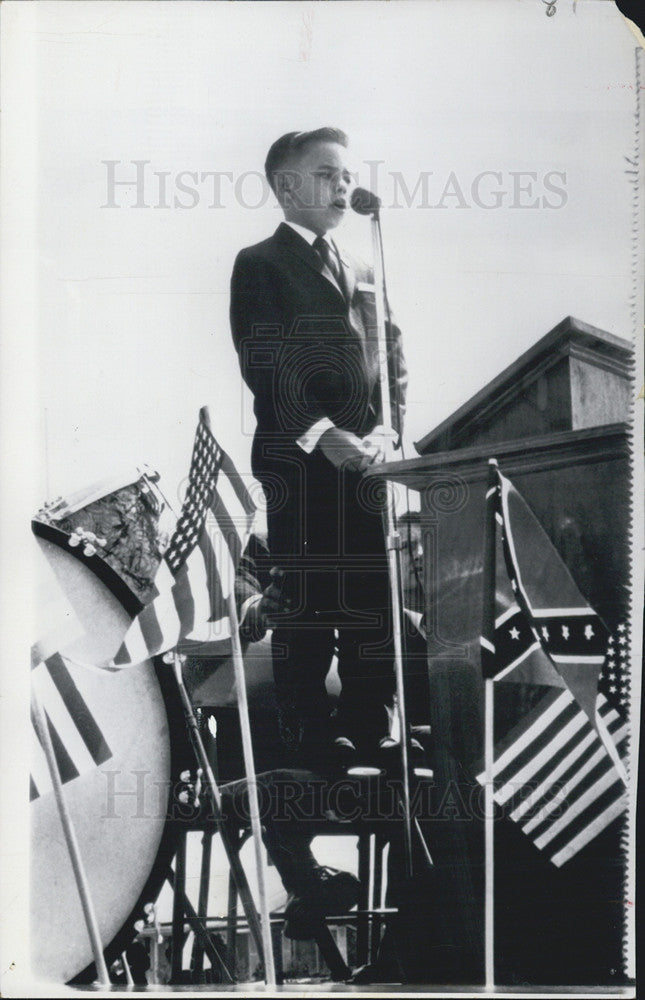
(553,775)
(197,573)
(78,742)
(559,771)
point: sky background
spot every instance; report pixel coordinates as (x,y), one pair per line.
(130,304)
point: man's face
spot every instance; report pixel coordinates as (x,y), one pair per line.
(318,184)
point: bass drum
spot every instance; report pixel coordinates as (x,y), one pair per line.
(120,746)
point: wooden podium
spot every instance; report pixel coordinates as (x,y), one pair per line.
(556,421)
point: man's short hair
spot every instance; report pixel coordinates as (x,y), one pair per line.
(284,147)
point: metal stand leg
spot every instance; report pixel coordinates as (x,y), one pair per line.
(340,971)
(232,854)
(189,916)
(363,917)
(276,939)
(178,909)
(231,926)
(197,961)
(377,919)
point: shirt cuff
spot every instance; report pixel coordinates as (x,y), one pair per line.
(389,435)
(310,438)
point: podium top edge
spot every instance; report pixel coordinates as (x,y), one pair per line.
(569,333)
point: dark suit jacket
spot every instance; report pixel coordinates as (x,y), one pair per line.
(305,349)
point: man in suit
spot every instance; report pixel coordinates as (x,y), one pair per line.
(303,319)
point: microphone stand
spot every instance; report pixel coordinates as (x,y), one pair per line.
(392,536)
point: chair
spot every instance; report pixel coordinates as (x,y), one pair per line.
(373,836)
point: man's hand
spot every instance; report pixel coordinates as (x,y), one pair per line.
(382,441)
(346,450)
(261,615)
(274,601)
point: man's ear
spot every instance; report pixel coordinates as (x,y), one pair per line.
(287,184)
(283,185)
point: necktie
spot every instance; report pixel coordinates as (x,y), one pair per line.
(328,257)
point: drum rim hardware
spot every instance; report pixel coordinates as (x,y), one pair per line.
(91,548)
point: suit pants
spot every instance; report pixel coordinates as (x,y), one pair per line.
(329,538)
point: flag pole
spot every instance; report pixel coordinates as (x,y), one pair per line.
(127,970)
(489,807)
(488,655)
(392,537)
(254,807)
(69,832)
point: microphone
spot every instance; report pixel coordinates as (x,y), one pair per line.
(364,202)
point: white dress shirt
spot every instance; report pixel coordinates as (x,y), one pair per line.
(311,437)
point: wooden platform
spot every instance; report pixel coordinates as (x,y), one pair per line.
(322,989)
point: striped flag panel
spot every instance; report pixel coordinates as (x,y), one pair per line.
(78,742)
(555,778)
(197,574)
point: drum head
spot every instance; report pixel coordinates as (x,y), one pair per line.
(118,794)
